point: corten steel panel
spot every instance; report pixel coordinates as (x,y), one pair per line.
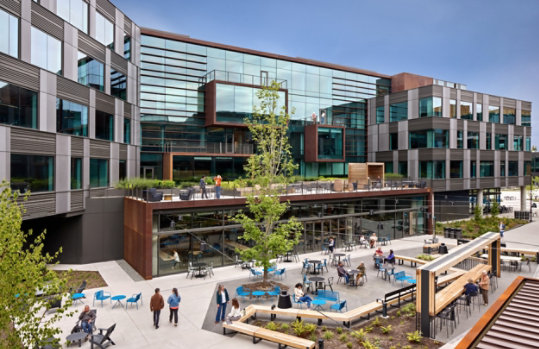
(311,143)
(184,38)
(407,81)
(138,236)
(168,159)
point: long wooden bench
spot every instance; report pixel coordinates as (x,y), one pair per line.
(413,261)
(521,251)
(456,288)
(442,280)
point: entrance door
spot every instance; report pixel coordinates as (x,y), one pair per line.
(148,172)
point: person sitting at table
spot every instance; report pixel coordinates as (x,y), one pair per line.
(362,240)
(300,296)
(390,257)
(342,272)
(378,253)
(331,244)
(373,240)
(470,290)
(362,271)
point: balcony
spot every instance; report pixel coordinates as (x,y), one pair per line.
(238,78)
(212,148)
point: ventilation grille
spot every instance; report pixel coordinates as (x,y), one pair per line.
(77,147)
(39,205)
(106,9)
(511,103)
(91,47)
(99,149)
(123,151)
(19,73)
(73,91)
(127,110)
(492,100)
(77,200)
(526,105)
(47,21)
(42,142)
(118,62)
(13,6)
(104,102)
(466,94)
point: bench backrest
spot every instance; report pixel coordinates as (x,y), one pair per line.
(399,293)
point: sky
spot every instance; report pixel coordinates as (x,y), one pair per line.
(492,46)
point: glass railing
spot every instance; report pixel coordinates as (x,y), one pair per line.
(209,147)
(256,80)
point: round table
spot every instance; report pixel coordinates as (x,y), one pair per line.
(258,294)
(352,274)
(118,299)
(318,281)
(314,262)
(318,303)
(339,255)
(287,256)
(199,265)
(77,336)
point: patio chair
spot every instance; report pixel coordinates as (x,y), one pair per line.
(306,282)
(381,269)
(400,276)
(348,260)
(103,340)
(240,291)
(77,295)
(134,299)
(306,265)
(448,314)
(279,272)
(297,301)
(254,273)
(101,296)
(339,306)
(275,293)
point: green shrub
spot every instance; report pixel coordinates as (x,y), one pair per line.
(398,313)
(144,183)
(386,329)
(406,347)
(324,328)
(377,322)
(393,176)
(414,337)
(368,329)
(328,335)
(409,309)
(349,345)
(368,345)
(359,335)
(343,337)
(313,337)
(299,328)
(272,326)
(425,257)
(310,328)
(285,327)
(339,330)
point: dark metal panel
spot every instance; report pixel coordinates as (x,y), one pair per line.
(398,97)
(77,200)
(473,126)
(106,9)
(493,100)
(13,6)
(42,142)
(104,102)
(127,110)
(511,103)
(425,297)
(18,72)
(123,151)
(77,146)
(128,25)
(47,21)
(91,47)
(100,149)
(118,62)
(72,91)
(39,205)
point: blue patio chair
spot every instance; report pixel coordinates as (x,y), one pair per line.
(77,295)
(279,272)
(381,269)
(307,283)
(297,301)
(339,306)
(306,265)
(241,292)
(255,273)
(400,276)
(101,296)
(275,293)
(135,298)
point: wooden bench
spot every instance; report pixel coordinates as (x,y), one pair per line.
(413,261)
(456,288)
(442,280)
(259,333)
(428,248)
(398,295)
(521,251)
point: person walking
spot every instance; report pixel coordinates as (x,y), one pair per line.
(502,229)
(173,304)
(222,300)
(484,284)
(202,185)
(217,179)
(156,304)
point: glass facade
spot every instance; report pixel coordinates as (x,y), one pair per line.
(99,173)
(429,139)
(525,118)
(46,51)
(486,169)
(432,169)
(380,117)
(473,140)
(517,143)
(430,106)
(455,170)
(488,141)
(104,30)
(500,141)
(91,72)
(18,106)
(71,118)
(460,140)
(403,168)
(127,131)
(393,141)
(127,47)
(493,113)
(118,84)
(398,111)
(104,125)
(9,40)
(74,12)
(509,115)
(452,108)
(502,168)
(512,169)
(330,143)
(473,169)
(528,144)
(33,173)
(76,173)
(466,111)
(388,167)
(479,111)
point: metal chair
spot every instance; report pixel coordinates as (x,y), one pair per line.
(101,296)
(329,283)
(339,306)
(135,298)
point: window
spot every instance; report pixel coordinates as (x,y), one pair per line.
(398,111)
(486,169)
(502,168)
(99,173)
(71,118)
(509,115)
(473,140)
(525,118)
(460,141)
(9,40)
(455,170)
(517,143)
(127,131)
(418,139)
(473,169)
(432,169)
(74,12)
(393,141)
(380,115)
(452,108)
(46,51)
(104,30)
(500,141)
(91,72)
(76,173)
(493,113)
(488,141)
(440,138)
(479,111)
(118,84)
(430,106)
(528,144)
(330,143)
(388,166)
(512,170)
(122,169)
(127,47)
(32,173)
(466,110)
(527,168)
(104,126)
(429,139)
(18,106)
(403,168)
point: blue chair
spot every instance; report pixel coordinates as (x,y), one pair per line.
(400,276)
(134,299)
(381,269)
(255,273)
(307,283)
(240,291)
(339,306)
(279,272)
(320,266)
(297,301)
(306,265)
(77,295)
(101,296)
(275,293)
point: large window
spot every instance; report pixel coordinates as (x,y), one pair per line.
(388,166)
(432,169)
(99,173)
(488,141)
(526,118)
(466,111)
(9,39)
(380,115)
(479,111)
(429,139)
(104,126)
(330,143)
(486,169)
(46,51)
(76,173)
(517,143)
(32,172)
(91,72)
(455,169)
(393,141)
(403,168)
(528,144)
(473,169)
(127,47)
(512,169)
(502,168)
(460,140)
(418,139)
(104,30)
(473,140)
(493,113)
(430,106)
(75,12)
(118,84)
(122,169)
(500,141)
(452,108)
(509,115)
(18,106)
(71,118)
(398,111)
(127,131)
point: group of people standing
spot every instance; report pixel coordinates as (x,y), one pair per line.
(204,193)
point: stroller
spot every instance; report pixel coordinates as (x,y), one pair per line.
(78,326)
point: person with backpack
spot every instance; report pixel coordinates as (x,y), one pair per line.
(173,304)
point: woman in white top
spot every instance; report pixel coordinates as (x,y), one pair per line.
(235,312)
(300,296)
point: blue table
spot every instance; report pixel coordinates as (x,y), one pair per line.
(258,294)
(411,281)
(118,299)
(318,303)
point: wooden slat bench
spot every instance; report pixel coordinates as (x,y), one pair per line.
(521,251)
(413,261)
(259,333)
(442,280)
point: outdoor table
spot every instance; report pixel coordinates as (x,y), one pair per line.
(318,303)
(258,294)
(352,273)
(77,336)
(318,283)
(199,265)
(348,246)
(314,262)
(339,255)
(118,299)
(287,256)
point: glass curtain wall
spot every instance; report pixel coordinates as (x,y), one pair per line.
(525,118)
(46,51)
(76,173)
(127,131)
(429,139)
(91,72)
(34,173)
(430,106)
(71,118)
(104,30)
(466,111)
(18,106)
(118,84)
(99,173)
(380,114)
(493,113)
(104,126)
(9,40)
(509,115)
(74,12)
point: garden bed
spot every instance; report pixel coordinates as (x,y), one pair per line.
(76,277)
(398,331)
(473,228)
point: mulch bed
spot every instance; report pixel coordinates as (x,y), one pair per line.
(75,278)
(261,286)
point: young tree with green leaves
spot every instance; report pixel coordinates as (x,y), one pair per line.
(269,169)
(27,286)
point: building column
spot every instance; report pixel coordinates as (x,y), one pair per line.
(523,198)
(479,200)
(350,224)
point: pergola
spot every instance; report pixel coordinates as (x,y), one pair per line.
(429,302)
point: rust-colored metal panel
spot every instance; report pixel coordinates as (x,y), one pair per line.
(407,81)
(138,236)
(311,143)
(168,166)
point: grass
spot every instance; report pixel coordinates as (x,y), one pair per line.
(473,228)
(76,277)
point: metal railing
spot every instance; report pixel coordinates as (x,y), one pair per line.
(209,147)
(260,80)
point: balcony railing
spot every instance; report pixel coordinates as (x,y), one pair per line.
(210,148)
(260,80)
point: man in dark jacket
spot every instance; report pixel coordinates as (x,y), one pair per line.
(203,187)
(87,319)
(156,304)
(222,299)
(470,290)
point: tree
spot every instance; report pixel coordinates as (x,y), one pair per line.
(269,169)
(495,209)
(24,272)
